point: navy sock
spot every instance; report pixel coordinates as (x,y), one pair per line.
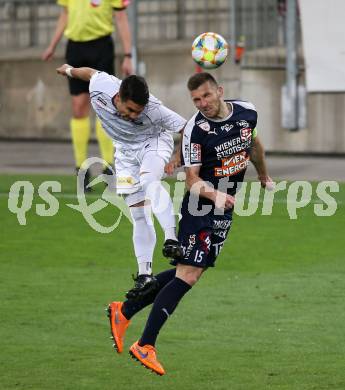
(164,305)
(130,308)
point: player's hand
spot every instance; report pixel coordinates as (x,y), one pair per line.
(224,201)
(62,69)
(266,182)
(172,165)
(127,66)
(48,54)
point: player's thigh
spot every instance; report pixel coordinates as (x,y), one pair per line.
(127,173)
(194,235)
(196,247)
(154,164)
(159,148)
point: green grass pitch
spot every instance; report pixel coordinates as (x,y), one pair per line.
(271,315)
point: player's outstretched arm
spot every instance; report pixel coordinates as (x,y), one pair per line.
(83,73)
(257,157)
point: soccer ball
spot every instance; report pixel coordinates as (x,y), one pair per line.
(209,50)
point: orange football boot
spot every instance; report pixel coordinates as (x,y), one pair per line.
(118,324)
(146,355)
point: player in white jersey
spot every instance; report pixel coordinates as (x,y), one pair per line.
(141,128)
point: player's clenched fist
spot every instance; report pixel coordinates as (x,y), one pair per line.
(266,182)
(170,167)
(62,69)
(224,201)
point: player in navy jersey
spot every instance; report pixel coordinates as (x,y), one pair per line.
(218,142)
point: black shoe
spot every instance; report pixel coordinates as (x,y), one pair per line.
(83,180)
(172,249)
(109,177)
(144,285)
(108,171)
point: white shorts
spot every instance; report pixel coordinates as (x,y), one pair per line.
(129,164)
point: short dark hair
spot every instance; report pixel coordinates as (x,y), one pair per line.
(134,88)
(198,79)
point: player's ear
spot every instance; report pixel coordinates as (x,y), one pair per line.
(117,99)
(220,91)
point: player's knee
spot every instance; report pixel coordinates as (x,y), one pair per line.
(140,213)
(192,279)
(190,276)
(149,179)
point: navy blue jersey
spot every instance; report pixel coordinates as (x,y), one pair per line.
(221,147)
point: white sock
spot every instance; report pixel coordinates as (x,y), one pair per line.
(144,238)
(170,234)
(161,203)
(145,268)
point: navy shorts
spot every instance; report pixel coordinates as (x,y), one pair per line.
(97,54)
(202,237)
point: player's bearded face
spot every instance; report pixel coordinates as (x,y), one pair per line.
(207,99)
(128,109)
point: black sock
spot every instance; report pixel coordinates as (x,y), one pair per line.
(164,305)
(130,308)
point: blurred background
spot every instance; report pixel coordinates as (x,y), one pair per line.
(274,44)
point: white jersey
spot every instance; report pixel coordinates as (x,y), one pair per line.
(155,118)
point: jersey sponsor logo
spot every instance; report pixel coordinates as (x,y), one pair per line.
(226,127)
(228,144)
(220,233)
(195,153)
(221,224)
(232,165)
(124,181)
(204,125)
(186,153)
(228,148)
(191,242)
(246,134)
(218,247)
(242,123)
